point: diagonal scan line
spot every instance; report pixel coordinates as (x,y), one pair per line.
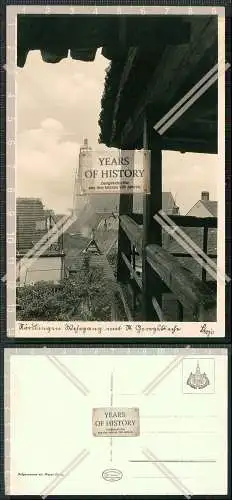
(168,473)
(27,263)
(187,238)
(43,240)
(50,233)
(13,71)
(64,473)
(189,103)
(186,97)
(188,244)
(48,237)
(43,244)
(40,249)
(192,244)
(164,373)
(69,375)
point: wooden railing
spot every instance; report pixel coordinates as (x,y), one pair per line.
(165,274)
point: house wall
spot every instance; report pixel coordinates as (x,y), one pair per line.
(42,269)
(199,210)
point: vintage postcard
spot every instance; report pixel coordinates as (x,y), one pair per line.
(116,171)
(116,421)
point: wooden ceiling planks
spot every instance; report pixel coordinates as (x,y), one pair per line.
(57,34)
(178,70)
(170,55)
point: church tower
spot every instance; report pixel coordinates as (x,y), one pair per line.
(79,198)
(85,147)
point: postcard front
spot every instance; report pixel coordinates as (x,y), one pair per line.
(119,188)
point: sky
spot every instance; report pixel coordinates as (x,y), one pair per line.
(58,105)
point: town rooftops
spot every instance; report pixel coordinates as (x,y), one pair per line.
(31,221)
(168,203)
(29,216)
(211,206)
(106,206)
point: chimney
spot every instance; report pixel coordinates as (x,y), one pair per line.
(205,196)
(85,143)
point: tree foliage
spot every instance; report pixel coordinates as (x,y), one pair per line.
(85,296)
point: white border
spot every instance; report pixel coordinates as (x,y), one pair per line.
(183,353)
(106,329)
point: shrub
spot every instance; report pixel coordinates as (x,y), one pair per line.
(85,296)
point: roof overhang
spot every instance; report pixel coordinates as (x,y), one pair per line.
(155,61)
(82,35)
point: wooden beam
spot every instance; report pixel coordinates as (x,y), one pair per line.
(188,256)
(124,78)
(133,231)
(206,122)
(189,146)
(158,30)
(191,292)
(138,218)
(158,310)
(191,221)
(123,294)
(205,250)
(125,207)
(78,32)
(134,275)
(190,127)
(174,69)
(179,62)
(122,32)
(152,204)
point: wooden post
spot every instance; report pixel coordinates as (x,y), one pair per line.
(125,208)
(180,311)
(133,263)
(62,267)
(205,250)
(152,232)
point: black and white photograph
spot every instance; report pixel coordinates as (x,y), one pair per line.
(119,170)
